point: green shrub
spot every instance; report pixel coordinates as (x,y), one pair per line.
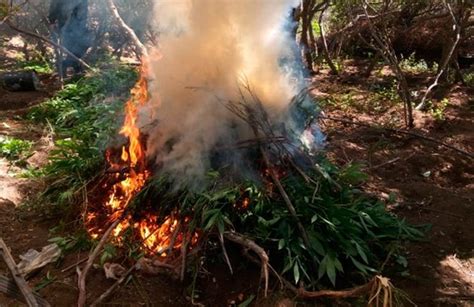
(14,149)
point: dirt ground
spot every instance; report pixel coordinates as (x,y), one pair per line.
(420,181)
(428,184)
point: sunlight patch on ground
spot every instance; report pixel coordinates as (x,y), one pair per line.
(457,277)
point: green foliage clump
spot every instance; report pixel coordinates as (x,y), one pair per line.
(14,149)
(412,65)
(83,117)
(469,79)
(349,233)
(40,66)
(438,110)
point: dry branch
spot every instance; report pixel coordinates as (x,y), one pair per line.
(83,274)
(447,59)
(112,288)
(65,50)
(140,50)
(19,280)
(247,243)
(352,292)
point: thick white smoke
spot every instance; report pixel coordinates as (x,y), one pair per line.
(206,47)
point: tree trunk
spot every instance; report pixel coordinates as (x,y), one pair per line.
(305,25)
(326,54)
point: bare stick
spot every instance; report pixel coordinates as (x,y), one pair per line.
(224,251)
(240,239)
(447,59)
(72,266)
(19,280)
(384,163)
(51,43)
(184,251)
(322,31)
(398,131)
(352,292)
(82,275)
(173,239)
(140,50)
(286,198)
(112,288)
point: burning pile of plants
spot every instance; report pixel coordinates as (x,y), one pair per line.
(222,145)
(299,216)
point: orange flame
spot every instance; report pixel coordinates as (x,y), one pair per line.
(156,238)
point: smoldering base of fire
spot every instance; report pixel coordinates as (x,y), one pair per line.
(298,215)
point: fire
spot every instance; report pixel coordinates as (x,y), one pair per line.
(156,238)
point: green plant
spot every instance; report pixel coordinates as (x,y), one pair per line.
(469,79)
(40,65)
(438,110)
(45,281)
(79,241)
(412,65)
(15,150)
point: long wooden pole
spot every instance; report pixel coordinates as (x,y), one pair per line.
(17,277)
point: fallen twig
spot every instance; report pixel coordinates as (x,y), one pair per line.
(398,131)
(112,288)
(384,163)
(17,277)
(442,212)
(72,266)
(352,292)
(245,242)
(83,274)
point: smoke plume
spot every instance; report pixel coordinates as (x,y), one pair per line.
(207,48)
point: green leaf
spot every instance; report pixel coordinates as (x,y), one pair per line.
(316,244)
(288,265)
(296,272)
(331,270)
(281,244)
(361,252)
(338,265)
(247,301)
(322,267)
(314,218)
(362,267)
(211,221)
(220,225)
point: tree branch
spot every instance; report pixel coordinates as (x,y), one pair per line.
(447,59)
(13,27)
(140,49)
